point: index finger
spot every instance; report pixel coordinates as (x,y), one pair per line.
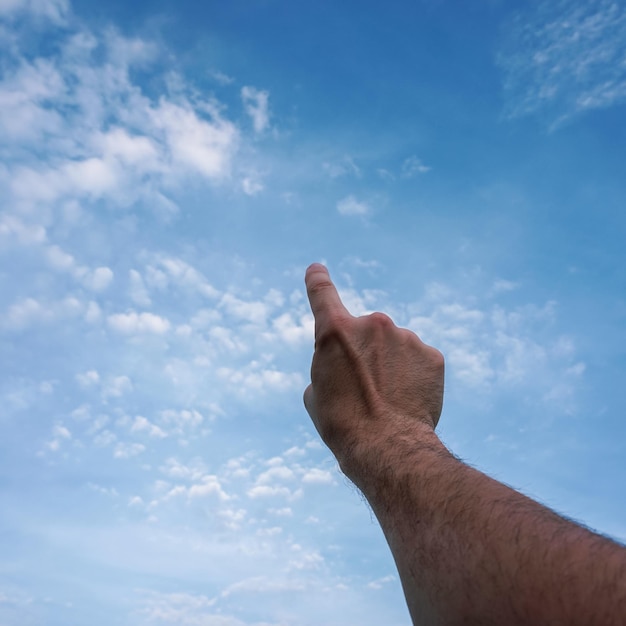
(323,297)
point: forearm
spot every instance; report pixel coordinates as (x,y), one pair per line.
(470,550)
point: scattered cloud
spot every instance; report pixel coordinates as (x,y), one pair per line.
(487,346)
(53,10)
(344,167)
(143,425)
(351,206)
(221,77)
(563,58)
(251,185)
(256,378)
(125,450)
(117,386)
(162,353)
(132,323)
(106,139)
(99,279)
(269,491)
(29,312)
(412,166)
(208,485)
(204,144)
(89,378)
(316,476)
(380,582)
(256,104)
(385,174)
(163,271)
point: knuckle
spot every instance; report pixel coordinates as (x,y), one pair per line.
(381,320)
(332,333)
(408,336)
(437,357)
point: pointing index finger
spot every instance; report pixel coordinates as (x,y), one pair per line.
(323,297)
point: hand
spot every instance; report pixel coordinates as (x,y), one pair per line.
(370,379)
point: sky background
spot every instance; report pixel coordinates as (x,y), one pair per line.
(167,172)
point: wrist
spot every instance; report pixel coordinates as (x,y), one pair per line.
(410,449)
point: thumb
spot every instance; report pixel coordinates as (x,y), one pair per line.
(309,404)
(309,401)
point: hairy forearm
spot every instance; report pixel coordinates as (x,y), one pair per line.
(471,550)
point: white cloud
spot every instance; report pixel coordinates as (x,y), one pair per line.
(255,312)
(98,424)
(379,582)
(256,104)
(251,185)
(30,311)
(263,584)
(351,206)
(88,378)
(501,285)
(47,386)
(128,450)
(25,312)
(208,485)
(137,290)
(490,346)
(132,323)
(280,472)
(282,512)
(268,491)
(227,339)
(182,419)
(105,491)
(59,259)
(143,425)
(14,229)
(305,559)
(130,150)
(103,138)
(255,378)
(173,468)
(130,51)
(221,77)
(205,146)
(232,518)
(105,438)
(385,174)
(185,609)
(294,332)
(344,167)
(91,178)
(471,365)
(93,312)
(172,270)
(81,413)
(565,57)
(98,279)
(54,10)
(62,432)
(412,166)
(316,476)
(117,386)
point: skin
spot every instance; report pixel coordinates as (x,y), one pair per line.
(469,550)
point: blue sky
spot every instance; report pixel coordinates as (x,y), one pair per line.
(167,172)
